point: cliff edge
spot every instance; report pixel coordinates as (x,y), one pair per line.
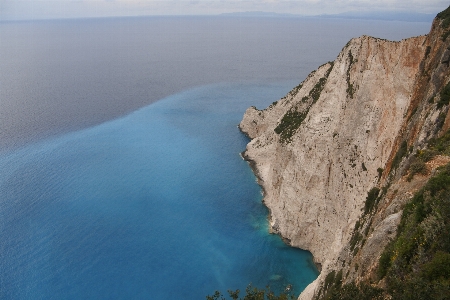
(321,150)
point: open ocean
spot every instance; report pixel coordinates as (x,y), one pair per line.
(119,152)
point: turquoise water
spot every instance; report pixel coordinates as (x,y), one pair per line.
(155,205)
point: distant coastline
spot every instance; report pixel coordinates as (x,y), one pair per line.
(376,15)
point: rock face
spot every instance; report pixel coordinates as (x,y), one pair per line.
(316,184)
(320,149)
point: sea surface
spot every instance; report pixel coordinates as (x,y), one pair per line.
(120,167)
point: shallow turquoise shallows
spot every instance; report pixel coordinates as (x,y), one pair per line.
(155,205)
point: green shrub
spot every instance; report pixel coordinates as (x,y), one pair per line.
(252,293)
(350,88)
(438,267)
(289,124)
(427,154)
(318,87)
(371,199)
(445,16)
(380,172)
(329,279)
(295,90)
(385,261)
(438,146)
(445,96)
(357,224)
(417,167)
(427,52)
(338,278)
(356,237)
(399,155)
(352,291)
(412,114)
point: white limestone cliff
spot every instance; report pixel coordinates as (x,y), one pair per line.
(316,179)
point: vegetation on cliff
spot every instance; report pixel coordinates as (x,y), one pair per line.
(416,263)
(400,154)
(352,291)
(252,293)
(445,96)
(445,17)
(350,87)
(294,117)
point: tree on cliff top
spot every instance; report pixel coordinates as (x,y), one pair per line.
(252,293)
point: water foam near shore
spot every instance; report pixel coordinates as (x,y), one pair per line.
(157,204)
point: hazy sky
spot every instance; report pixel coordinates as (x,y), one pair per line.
(42,9)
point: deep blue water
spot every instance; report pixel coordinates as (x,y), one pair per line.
(155,205)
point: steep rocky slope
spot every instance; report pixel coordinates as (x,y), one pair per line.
(334,156)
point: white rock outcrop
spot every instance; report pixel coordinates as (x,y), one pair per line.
(316,174)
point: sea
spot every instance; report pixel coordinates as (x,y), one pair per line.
(120,168)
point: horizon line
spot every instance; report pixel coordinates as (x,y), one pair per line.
(376,15)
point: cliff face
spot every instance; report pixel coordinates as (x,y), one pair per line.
(318,151)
